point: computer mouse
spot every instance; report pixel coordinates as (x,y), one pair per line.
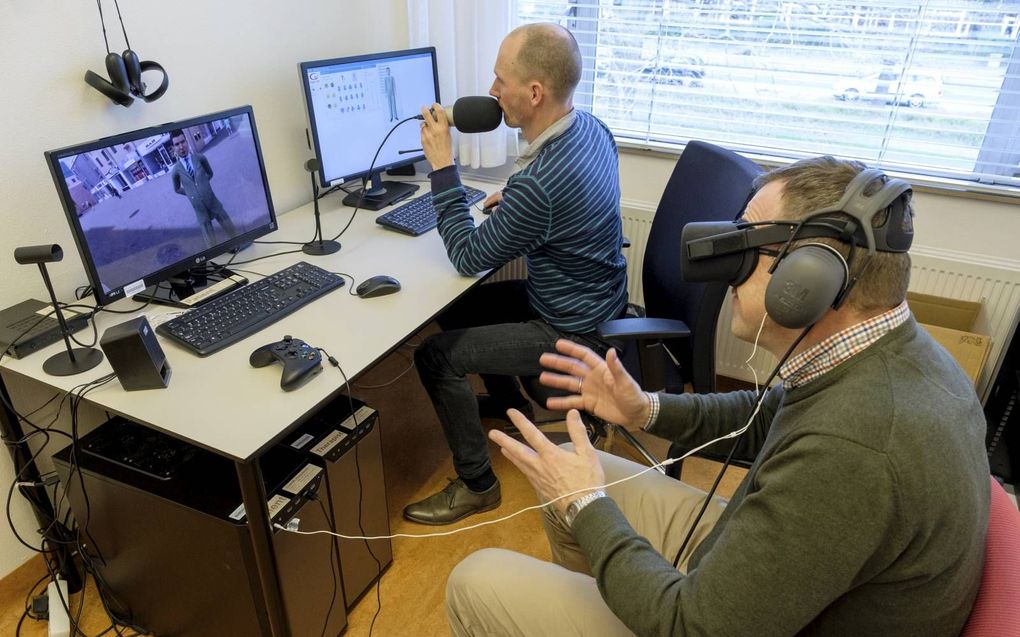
(379,285)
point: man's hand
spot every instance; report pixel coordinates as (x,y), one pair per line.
(435,137)
(601,387)
(551,470)
(493,199)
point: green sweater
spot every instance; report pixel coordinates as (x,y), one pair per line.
(864,512)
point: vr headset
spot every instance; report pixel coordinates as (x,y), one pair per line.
(808,279)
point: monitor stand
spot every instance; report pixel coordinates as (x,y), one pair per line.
(192,287)
(379,194)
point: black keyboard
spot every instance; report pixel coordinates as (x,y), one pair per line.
(250,308)
(417,216)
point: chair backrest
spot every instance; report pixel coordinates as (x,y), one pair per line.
(996,610)
(708,183)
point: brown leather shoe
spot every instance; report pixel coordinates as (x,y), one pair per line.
(455,502)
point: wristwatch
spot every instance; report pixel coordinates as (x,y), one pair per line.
(575,507)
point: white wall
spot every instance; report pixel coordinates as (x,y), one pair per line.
(218,54)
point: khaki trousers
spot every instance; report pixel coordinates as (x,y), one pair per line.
(500,592)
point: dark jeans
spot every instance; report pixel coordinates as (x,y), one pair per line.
(492,331)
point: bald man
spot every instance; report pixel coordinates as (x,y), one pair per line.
(560,210)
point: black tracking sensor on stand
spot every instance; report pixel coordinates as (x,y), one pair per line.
(76,359)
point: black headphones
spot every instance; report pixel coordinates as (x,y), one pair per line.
(125,71)
(809,279)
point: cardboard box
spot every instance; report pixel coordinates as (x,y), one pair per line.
(969,349)
(943,312)
(949,322)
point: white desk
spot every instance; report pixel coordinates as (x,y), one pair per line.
(223,404)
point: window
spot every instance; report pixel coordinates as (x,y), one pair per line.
(929,88)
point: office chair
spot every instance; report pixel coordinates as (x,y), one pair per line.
(674,339)
(995,610)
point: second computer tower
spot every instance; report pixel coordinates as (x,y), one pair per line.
(345,436)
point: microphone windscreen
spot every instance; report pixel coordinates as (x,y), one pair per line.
(312,165)
(476,114)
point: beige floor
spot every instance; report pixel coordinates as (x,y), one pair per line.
(417,464)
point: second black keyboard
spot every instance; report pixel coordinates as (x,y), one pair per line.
(418,216)
(250,308)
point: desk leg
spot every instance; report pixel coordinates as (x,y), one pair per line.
(253,494)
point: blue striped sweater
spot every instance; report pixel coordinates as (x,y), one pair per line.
(563,213)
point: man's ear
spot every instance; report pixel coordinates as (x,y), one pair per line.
(537,93)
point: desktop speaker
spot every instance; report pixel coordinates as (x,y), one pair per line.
(135,355)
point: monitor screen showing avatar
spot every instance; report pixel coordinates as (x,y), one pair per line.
(354,102)
(146,205)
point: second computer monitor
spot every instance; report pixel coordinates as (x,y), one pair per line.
(354,102)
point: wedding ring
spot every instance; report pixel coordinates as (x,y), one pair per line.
(580,384)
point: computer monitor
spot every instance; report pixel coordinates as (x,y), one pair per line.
(154,205)
(353,103)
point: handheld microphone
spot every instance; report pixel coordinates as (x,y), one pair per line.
(474,114)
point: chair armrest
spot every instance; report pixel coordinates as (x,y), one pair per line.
(643,328)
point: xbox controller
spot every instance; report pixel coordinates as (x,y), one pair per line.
(300,361)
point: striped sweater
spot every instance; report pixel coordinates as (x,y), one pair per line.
(562,213)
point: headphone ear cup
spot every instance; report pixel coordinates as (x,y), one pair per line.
(123,98)
(805,285)
(133,71)
(116,70)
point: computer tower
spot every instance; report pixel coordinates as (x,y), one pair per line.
(164,523)
(350,447)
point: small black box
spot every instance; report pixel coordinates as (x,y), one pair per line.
(135,355)
(31,325)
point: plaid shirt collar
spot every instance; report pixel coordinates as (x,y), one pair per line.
(826,355)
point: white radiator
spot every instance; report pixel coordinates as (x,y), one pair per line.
(996,285)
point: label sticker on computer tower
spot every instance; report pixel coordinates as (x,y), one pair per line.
(327,443)
(302,441)
(301,480)
(276,504)
(360,416)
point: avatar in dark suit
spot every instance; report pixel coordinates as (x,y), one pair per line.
(191,174)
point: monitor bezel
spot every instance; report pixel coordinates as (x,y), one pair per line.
(105,298)
(310,113)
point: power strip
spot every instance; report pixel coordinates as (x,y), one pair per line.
(59,622)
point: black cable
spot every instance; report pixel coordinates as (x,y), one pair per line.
(275,254)
(123,30)
(14,485)
(102,22)
(361,528)
(350,290)
(102,588)
(361,492)
(368,175)
(729,457)
(334,563)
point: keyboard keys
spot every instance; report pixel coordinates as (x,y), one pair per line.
(250,308)
(417,216)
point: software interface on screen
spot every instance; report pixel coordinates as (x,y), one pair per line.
(148,203)
(354,105)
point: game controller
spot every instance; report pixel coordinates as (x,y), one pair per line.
(300,361)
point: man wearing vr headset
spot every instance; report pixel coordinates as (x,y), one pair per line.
(865,509)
